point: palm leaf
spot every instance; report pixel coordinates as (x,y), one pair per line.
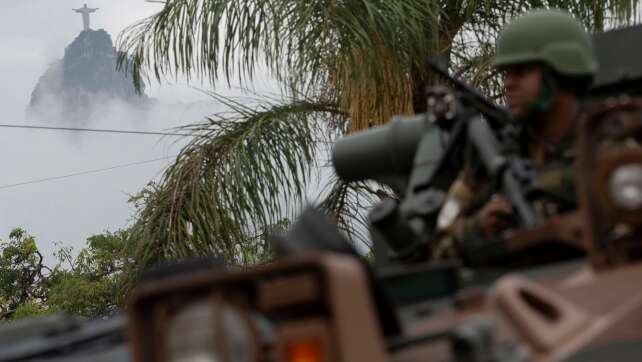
(362,49)
(347,204)
(246,169)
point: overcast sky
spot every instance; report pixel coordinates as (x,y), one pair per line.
(33,34)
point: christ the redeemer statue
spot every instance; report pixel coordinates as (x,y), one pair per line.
(85,11)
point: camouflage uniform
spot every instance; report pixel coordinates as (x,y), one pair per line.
(556,180)
(562,46)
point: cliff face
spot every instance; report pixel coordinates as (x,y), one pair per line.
(86,77)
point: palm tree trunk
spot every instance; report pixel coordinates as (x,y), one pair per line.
(443,33)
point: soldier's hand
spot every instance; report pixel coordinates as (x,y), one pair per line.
(495,216)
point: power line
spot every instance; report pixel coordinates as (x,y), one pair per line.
(103,130)
(83,173)
(96,130)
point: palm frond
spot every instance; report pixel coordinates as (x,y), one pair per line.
(246,169)
(347,204)
(367,46)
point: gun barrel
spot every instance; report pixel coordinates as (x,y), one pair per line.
(487,146)
(384,150)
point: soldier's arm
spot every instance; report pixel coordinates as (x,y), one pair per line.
(470,220)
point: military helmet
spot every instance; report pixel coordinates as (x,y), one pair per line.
(552,37)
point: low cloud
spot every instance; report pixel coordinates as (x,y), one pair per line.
(34,35)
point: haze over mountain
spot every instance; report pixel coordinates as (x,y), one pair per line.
(85,77)
(35,35)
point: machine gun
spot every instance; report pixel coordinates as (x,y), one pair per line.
(420,157)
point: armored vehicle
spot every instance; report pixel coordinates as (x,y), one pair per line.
(566,290)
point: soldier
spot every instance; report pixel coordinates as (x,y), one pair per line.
(547,61)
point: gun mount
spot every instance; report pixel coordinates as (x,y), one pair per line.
(420,157)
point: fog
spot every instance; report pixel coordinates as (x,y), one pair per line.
(33,34)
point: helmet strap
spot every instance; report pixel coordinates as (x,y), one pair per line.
(544,101)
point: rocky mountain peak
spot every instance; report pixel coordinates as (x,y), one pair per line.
(82,79)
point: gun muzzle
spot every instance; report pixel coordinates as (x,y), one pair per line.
(379,153)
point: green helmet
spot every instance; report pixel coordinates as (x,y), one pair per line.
(552,37)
